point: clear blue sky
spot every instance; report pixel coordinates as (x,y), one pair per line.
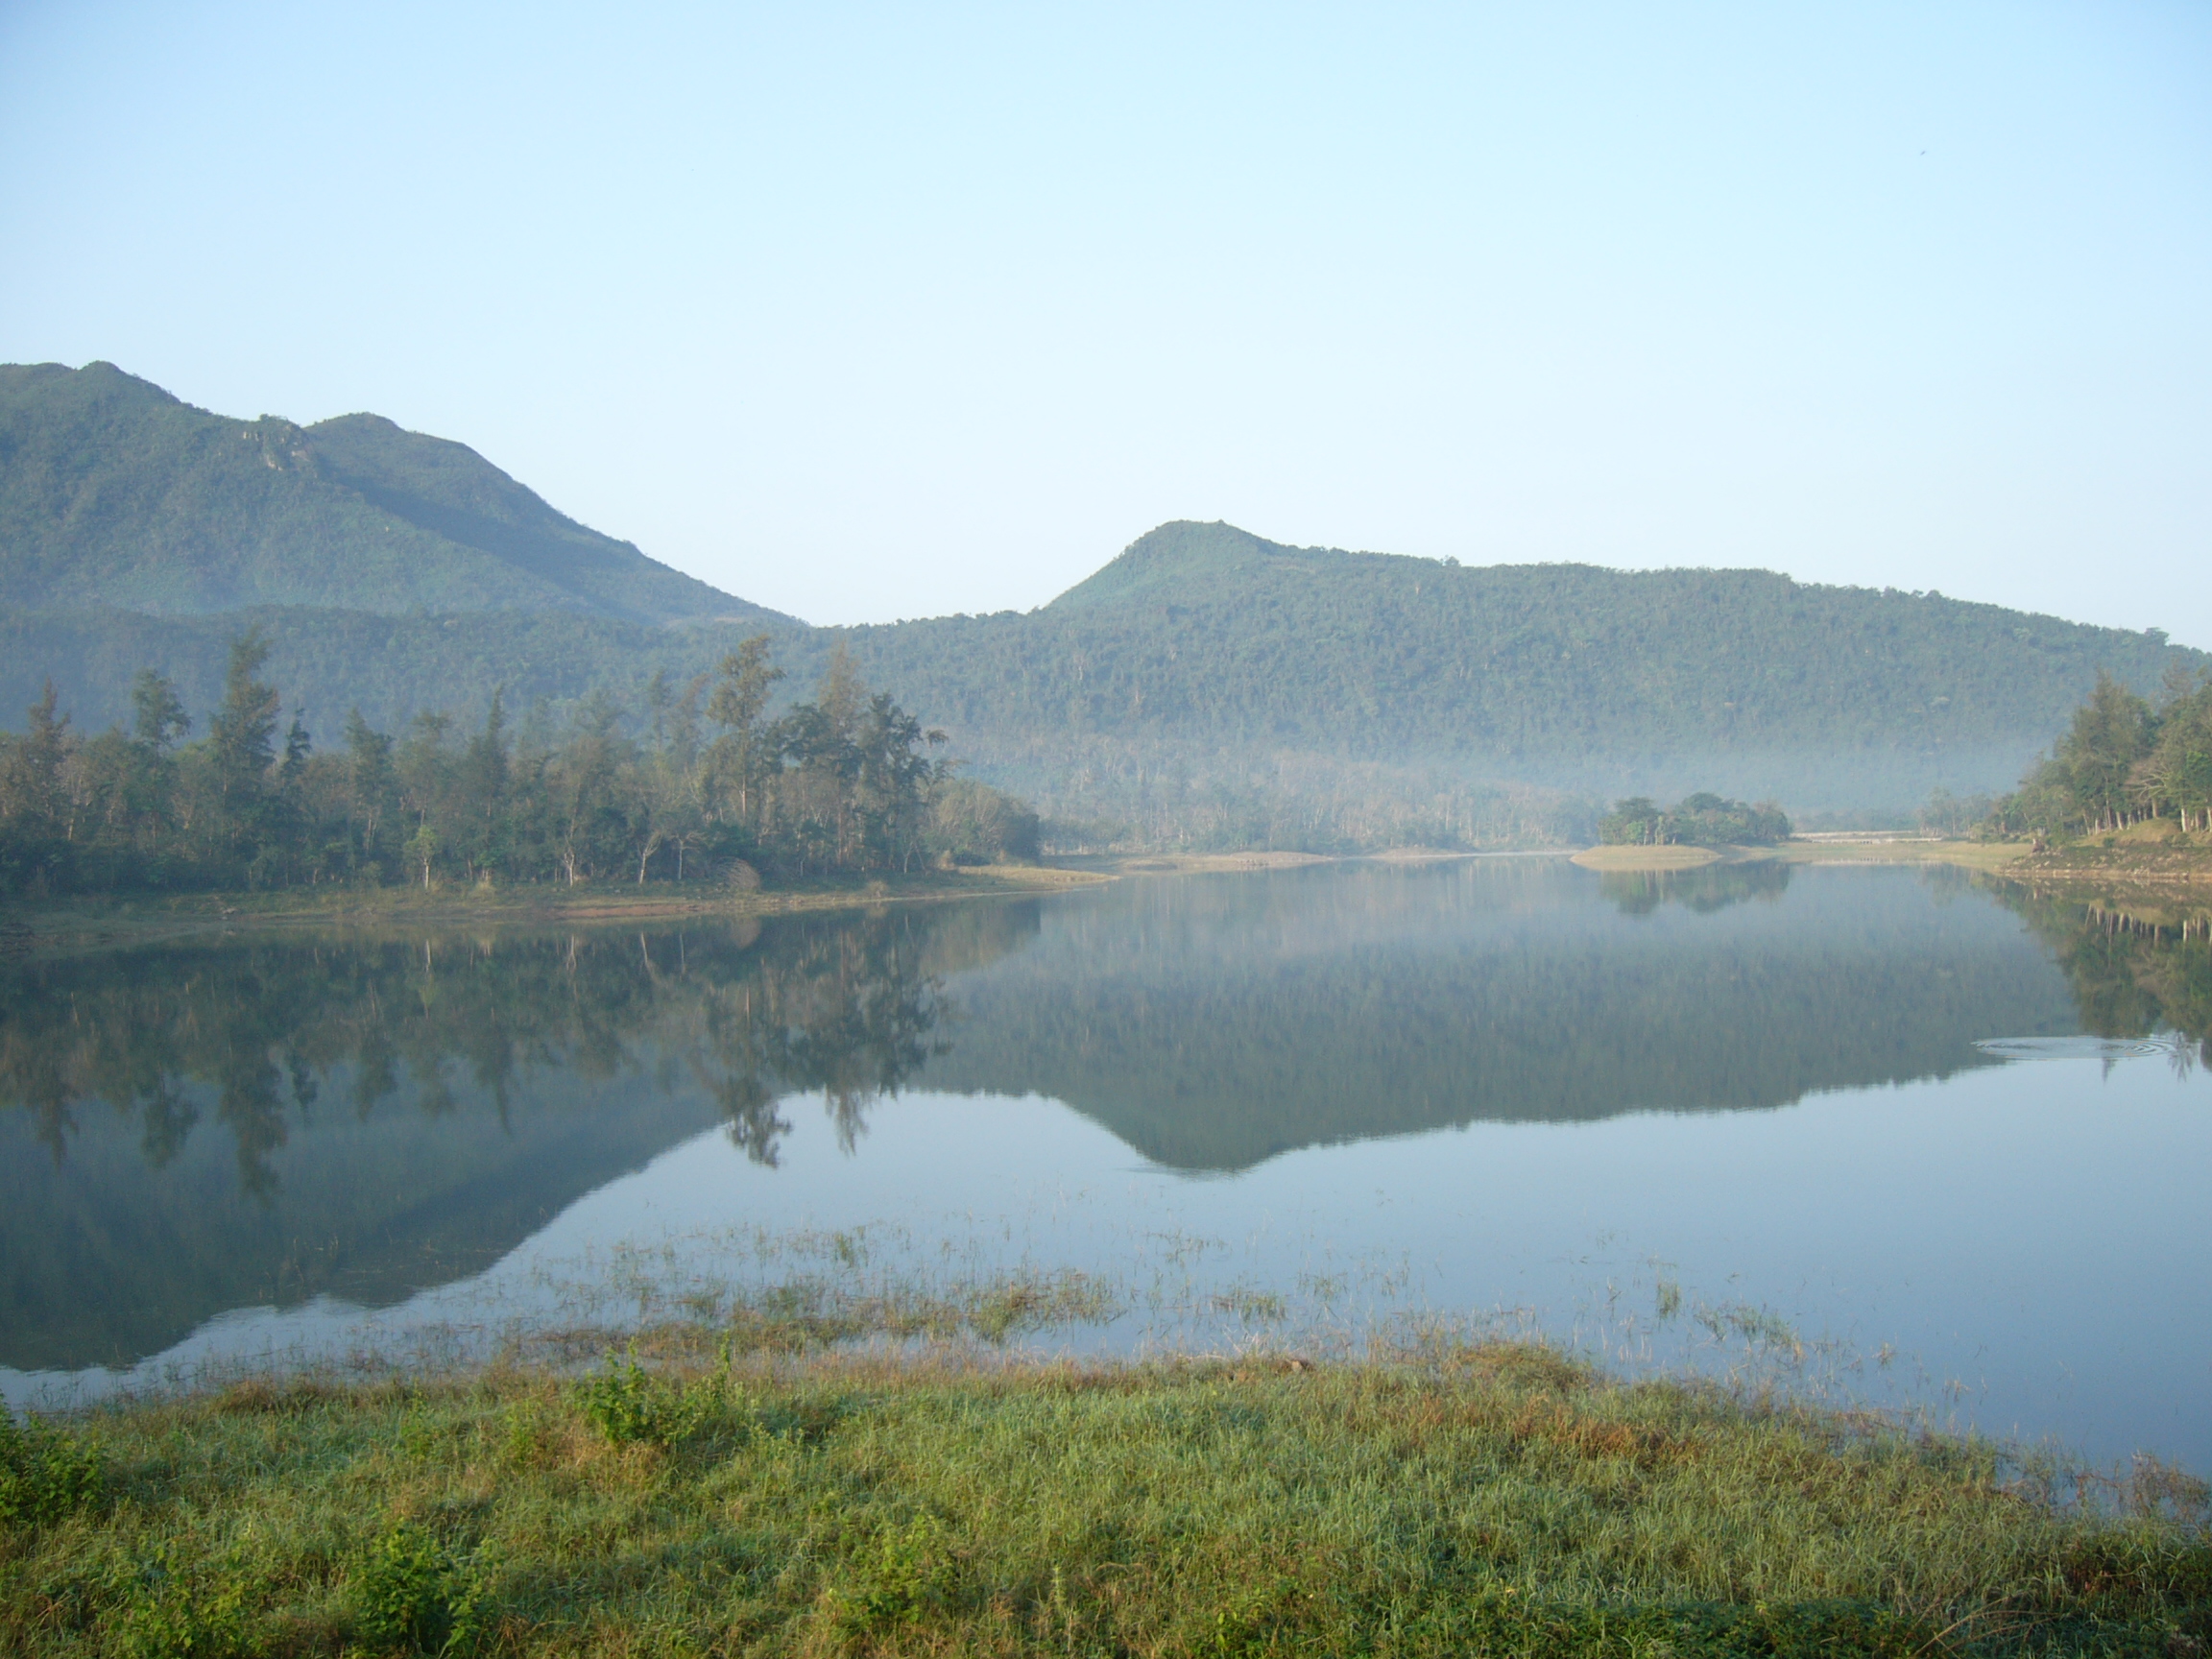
(869,312)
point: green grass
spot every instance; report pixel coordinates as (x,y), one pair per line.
(1490,1499)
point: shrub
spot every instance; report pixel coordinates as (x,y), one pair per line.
(45,1472)
(904,1573)
(630,1405)
(413,1593)
(170,1612)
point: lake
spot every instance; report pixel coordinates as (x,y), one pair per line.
(1873,1134)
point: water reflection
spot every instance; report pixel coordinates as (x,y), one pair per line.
(228,1124)
(1213,1024)
(2135,969)
(191,1128)
(1704,890)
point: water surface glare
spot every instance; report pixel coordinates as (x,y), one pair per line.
(1880,1132)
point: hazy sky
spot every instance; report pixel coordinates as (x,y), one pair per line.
(869,312)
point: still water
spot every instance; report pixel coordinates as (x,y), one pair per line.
(1876,1133)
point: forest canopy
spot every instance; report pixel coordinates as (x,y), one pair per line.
(2122,761)
(1700,820)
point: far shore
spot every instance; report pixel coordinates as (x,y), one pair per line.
(92,922)
(1871,849)
(2140,859)
(1667,857)
(2146,857)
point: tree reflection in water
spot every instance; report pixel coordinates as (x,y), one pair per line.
(265,1034)
(852,1012)
(1705,889)
(2136,967)
(245,1124)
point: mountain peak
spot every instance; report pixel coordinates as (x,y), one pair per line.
(114,492)
(1176,551)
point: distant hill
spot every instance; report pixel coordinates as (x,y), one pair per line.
(115,494)
(1206,687)
(1202,640)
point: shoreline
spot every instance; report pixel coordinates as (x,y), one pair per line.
(94,922)
(1872,848)
(2142,865)
(2161,869)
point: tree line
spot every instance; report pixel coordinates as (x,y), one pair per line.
(704,783)
(2122,761)
(1700,820)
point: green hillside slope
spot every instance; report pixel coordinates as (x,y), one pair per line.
(114,494)
(1203,634)
(1279,702)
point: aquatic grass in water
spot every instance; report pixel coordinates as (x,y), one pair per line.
(1171,1293)
(1174,1293)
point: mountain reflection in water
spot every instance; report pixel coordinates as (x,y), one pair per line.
(1213,1023)
(187,1129)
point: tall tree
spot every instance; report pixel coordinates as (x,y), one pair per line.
(37,788)
(157,717)
(842,783)
(744,753)
(2111,733)
(482,789)
(371,793)
(241,746)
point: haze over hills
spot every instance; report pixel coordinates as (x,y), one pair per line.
(1207,686)
(114,494)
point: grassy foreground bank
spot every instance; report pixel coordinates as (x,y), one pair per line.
(1497,1499)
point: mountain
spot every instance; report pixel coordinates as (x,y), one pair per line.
(115,494)
(1203,639)
(1206,687)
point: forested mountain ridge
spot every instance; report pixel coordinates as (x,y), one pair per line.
(1207,686)
(1203,630)
(1206,661)
(114,493)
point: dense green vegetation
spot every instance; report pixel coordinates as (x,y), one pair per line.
(2120,762)
(114,494)
(1206,690)
(1210,651)
(1479,1499)
(1202,629)
(1701,820)
(840,785)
